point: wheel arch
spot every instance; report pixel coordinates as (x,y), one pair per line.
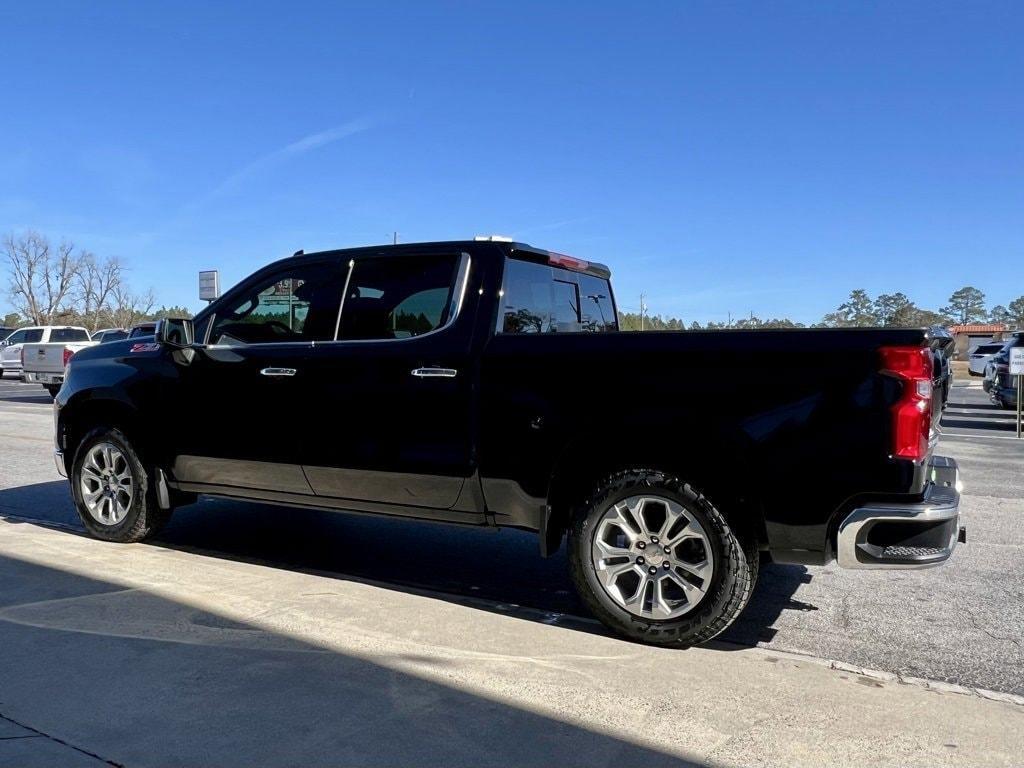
(714,468)
(78,419)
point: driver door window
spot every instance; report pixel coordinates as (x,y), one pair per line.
(298,304)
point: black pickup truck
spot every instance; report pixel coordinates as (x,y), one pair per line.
(486,383)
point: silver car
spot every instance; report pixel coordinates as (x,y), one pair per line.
(982,353)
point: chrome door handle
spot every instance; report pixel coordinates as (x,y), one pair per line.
(434,373)
(278,372)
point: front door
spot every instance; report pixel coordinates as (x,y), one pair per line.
(246,397)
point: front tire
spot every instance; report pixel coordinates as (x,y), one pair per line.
(113,492)
(655,561)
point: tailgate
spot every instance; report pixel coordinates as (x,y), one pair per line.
(44,358)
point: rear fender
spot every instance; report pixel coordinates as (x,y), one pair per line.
(711,464)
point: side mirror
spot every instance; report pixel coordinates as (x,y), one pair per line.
(174,332)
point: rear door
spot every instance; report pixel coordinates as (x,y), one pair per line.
(395,394)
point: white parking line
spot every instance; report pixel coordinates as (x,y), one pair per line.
(969,436)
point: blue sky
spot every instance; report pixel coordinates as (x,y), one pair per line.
(721,157)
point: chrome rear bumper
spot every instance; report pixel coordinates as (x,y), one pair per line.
(914,535)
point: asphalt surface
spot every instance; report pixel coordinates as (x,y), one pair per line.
(960,623)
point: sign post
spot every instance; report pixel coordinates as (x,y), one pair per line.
(1017,369)
(209,285)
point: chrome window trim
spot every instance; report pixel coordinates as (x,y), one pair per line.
(455,309)
(458,299)
(344,293)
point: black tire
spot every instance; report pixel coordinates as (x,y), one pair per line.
(144,516)
(53,389)
(731,583)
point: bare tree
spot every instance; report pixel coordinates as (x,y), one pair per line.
(130,308)
(98,283)
(41,276)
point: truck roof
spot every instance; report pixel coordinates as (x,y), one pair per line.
(555,259)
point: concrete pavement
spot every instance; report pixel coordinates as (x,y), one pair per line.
(144,656)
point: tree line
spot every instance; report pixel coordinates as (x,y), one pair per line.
(860,310)
(56,283)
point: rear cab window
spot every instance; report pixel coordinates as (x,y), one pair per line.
(543,298)
(68,334)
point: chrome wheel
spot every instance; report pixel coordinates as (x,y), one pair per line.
(106,484)
(652,557)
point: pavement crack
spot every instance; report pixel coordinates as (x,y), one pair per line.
(974,622)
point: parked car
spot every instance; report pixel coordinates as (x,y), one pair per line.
(1000,385)
(487,383)
(109,334)
(142,329)
(981,354)
(942,348)
(10,352)
(45,363)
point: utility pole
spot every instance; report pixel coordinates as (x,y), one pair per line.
(643,308)
(394,239)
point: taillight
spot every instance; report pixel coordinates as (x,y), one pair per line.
(912,413)
(68,354)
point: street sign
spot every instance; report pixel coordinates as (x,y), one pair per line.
(1017,361)
(209,285)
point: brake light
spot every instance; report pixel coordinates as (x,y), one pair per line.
(912,413)
(568,262)
(68,354)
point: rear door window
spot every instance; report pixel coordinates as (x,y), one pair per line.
(540,298)
(26,336)
(399,297)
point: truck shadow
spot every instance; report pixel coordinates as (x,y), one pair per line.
(497,571)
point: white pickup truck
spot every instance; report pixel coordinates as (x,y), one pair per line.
(12,347)
(44,362)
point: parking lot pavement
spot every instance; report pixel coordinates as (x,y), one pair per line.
(969,413)
(959,623)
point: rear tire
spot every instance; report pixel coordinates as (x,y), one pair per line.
(672,621)
(127,517)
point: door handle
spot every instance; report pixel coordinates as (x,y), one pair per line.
(278,372)
(434,373)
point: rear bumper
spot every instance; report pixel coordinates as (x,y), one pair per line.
(43,378)
(906,535)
